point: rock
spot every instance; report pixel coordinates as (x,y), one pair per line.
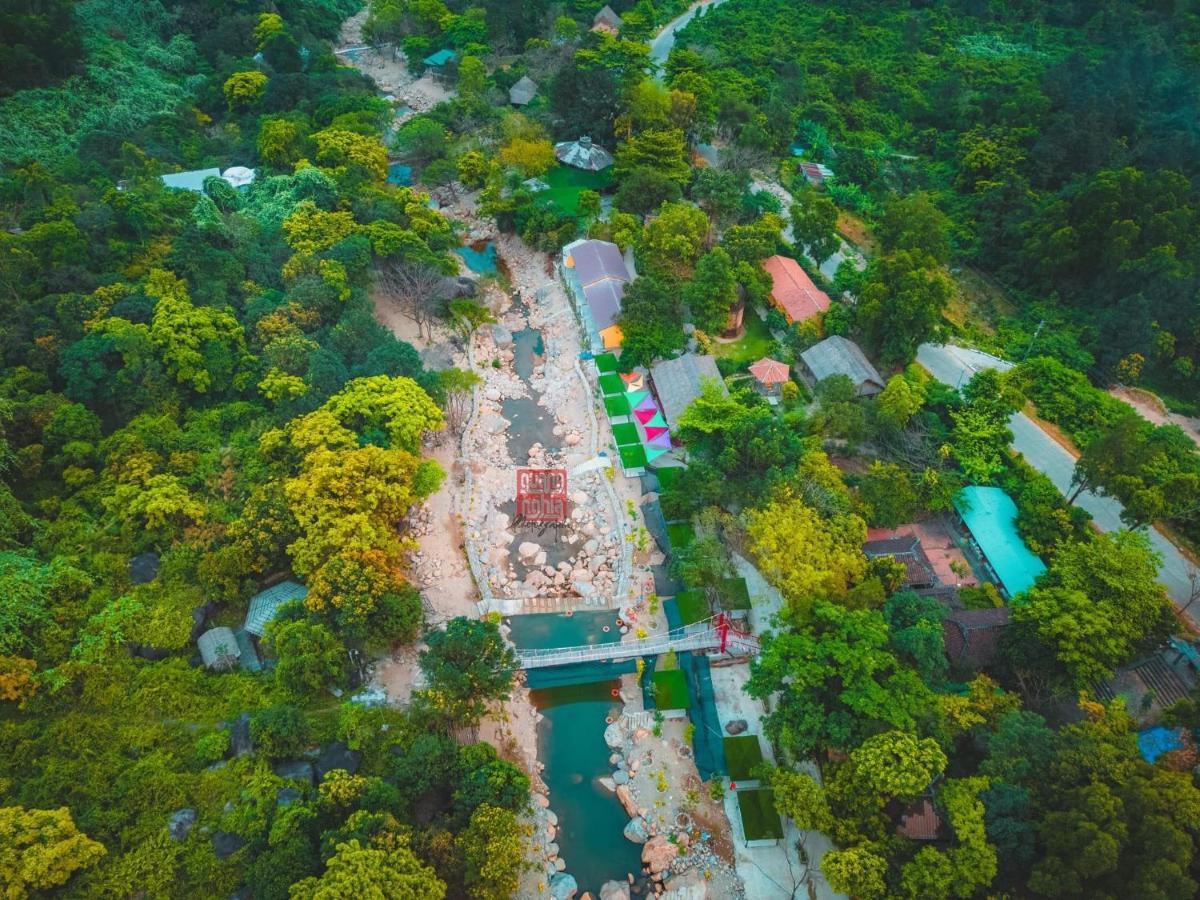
(226,843)
(501,336)
(337,756)
(689,885)
(616,760)
(492,394)
(626,798)
(614,890)
(239,736)
(528,551)
(295,770)
(560,864)
(551,817)
(579,498)
(620,777)
(637,831)
(181,823)
(658,854)
(737,726)
(551,850)
(609,784)
(286,796)
(571,439)
(563,886)
(633,767)
(542,800)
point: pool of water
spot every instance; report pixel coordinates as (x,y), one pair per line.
(480,259)
(571,745)
(531,423)
(399,174)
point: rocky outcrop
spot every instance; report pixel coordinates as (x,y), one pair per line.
(637,830)
(614,890)
(658,854)
(737,726)
(626,797)
(689,885)
(563,886)
(181,823)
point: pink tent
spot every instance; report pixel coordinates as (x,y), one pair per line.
(645,415)
(653,431)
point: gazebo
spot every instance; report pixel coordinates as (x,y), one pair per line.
(264,604)
(219,648)
(770,375)
(583,154)
(523,91)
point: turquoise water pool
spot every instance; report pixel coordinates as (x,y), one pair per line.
(482,260)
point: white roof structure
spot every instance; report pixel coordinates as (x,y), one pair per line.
(583,154)
(238,176)
(190,181)
(265,604)
(523,91)
(219,648)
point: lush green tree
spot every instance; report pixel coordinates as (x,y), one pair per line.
(814,224)
(888,495)
(644,190)
(914,223)
(901,303)
(468,666)
(916,624)
(493,852)
(712,292)
(651,321)
(280,731)
(859,872)
(40,849)
(660,150)
(673,239)
(310,657)
(355,870)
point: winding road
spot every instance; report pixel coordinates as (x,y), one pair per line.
(956,366)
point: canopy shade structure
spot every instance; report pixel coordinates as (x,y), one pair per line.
(652,433)
(657,422)
(636,397)
(991,516)
(662,440)
(653,453)
(646,403)
(645,415)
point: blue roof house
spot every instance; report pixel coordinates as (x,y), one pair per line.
(265,604)
(991,517)
(439,59)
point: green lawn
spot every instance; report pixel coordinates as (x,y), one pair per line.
(760,819)
(616,405)
(670,690)
(750,347)
(734,594)
(611,384)
(566,184)
(633,456)
(606,363)
(693,606)
(626,433)
(667,476)
(742,753)
(680,534)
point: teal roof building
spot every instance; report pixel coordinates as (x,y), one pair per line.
(436,60)
(991,517)
(265,604)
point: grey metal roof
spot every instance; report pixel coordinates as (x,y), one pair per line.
(604,300)
(264,604)
(190,181)
(608,17)
(677,382)
(523,91)
(218,647)
(838,356)
(583,154)
(594,261)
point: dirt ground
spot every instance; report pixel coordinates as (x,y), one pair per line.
(1151,408)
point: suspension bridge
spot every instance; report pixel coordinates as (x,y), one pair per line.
(715,633)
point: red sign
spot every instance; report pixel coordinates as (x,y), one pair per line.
(542,495)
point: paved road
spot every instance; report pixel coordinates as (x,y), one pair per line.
(956,366)
(660,47)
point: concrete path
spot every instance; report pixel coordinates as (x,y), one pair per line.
(957,365)
(660,47)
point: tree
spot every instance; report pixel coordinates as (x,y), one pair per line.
(468,666)
(857,871)
(888,495)
(415,288)
(1098,605)
(352,587)
(201,346)
(243,89)
(531,157)
(651,321)
(280,731)
(421,140)
(339,149)
(659,150)
(40,849)
(970,863)
(981,434)
(901,399)
(901,303)
(912,222)
(814,224)
(281,141)
(472,78)
(805,555)
(896,765)
(310,657)
(395,413)
(358,871)
(642,191)
(674,239)
(457,387)
(493,853)
(712,292)
(916,624)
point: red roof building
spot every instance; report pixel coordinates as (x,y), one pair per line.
(792,291)
(972,636)
(920,821)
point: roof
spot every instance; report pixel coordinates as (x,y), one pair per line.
(264,604)
(677,382)
(238,176)
(815,171)
(583,154)
(606,16)
(972,636)
(600,270)
(523,91)
(838,356)
(907,550)
(990,515)
(770,371)
(217,644)
(920,821)
(440,58)
(793,290)
(190,181)
(1154,742)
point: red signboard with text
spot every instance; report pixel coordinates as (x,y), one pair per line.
(542,495)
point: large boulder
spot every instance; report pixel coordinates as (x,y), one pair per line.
(528,551)
(689,885)
(181,823)
(239,736)
(737,726)
(658,854)
(614,890)
(626,798)
(226,843)
(337,756)
(620,777)
(295,770)
(286,796)
(637,830)
(563,886)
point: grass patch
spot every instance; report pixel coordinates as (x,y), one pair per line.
(667,476)
(742,753)
(734,594)
(626,433)
(611,384)
(693,606)
(606,363)
(681,535)
(760,819)
(670,690)
(616,406)
(750,347)
(567,183)
(632,456)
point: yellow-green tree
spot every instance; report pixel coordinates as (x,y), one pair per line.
(310,229)
(337,149)
(530,156)
(396,410)
(805,555)
(368,872)
(201,346)
(674,238)
(243,89)
(269,25)
(281,141)
(41,849)
(493,852)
